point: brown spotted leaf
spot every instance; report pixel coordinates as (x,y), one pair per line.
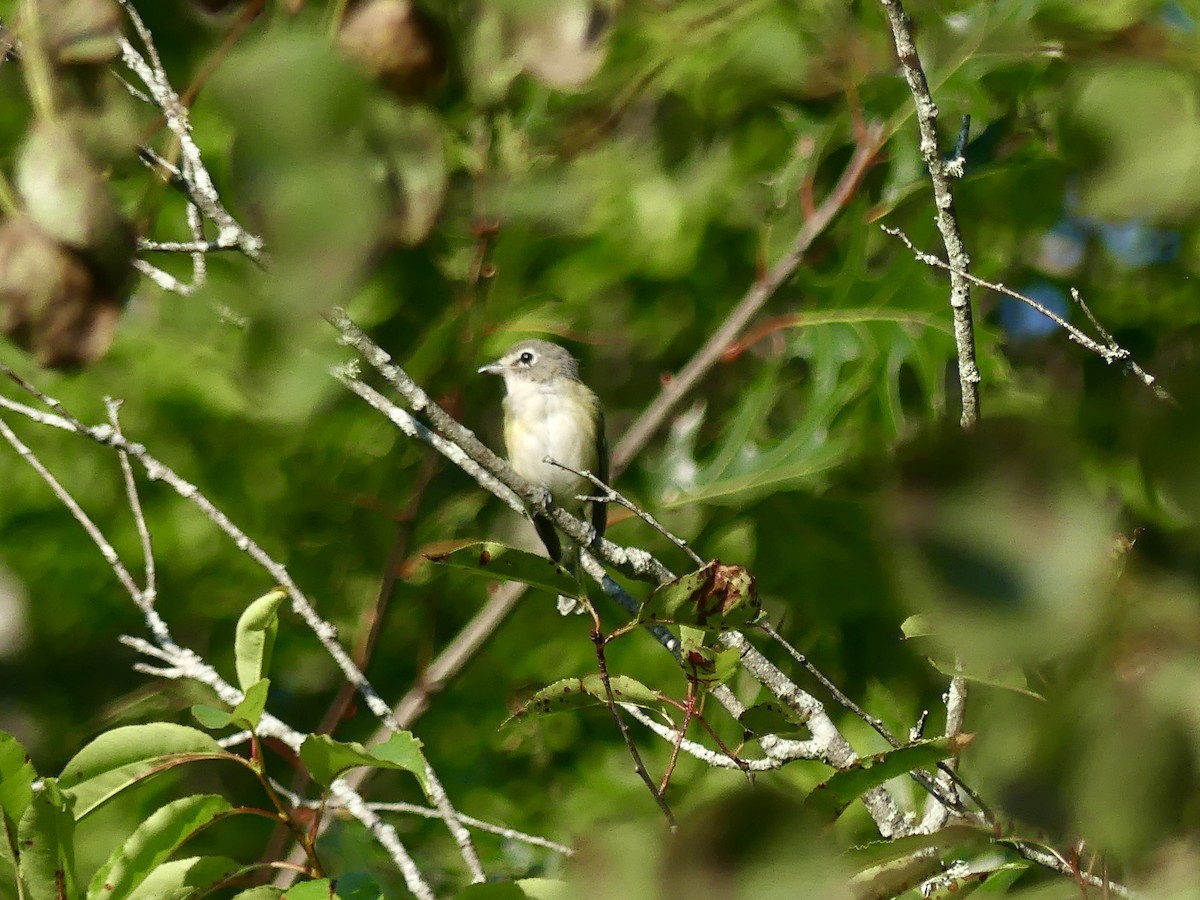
(716,598)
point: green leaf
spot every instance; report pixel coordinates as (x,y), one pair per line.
(499,562)
(577,693)
(715,598)
(326,759)
(1001,878)
(710,666)
(544,888)
(46,836)
(119,758)
(1004,677)
(16,779)
(956,839)
(830,798)
(771,718)
(916,627)
(352,886)
(245,715)
(750,462)
(183,879)
(153,842)
(895,878)
(262,892)
(255,638)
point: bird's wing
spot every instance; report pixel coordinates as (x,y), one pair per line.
(600,510)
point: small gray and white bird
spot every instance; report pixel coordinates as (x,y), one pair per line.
(549,412)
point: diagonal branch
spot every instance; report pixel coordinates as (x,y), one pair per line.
(630,561)
(644,427)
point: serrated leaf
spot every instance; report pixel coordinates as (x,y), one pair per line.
(46,836)
(153,842)
(771,718)
(500,562)
(183,879)
(16,779)
(255,638)
(577,693)
(119,758)
(716,597)
(326,759)
(245,715)
(830,798)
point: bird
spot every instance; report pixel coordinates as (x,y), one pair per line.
(550,412)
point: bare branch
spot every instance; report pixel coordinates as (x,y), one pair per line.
(941,173)
(1109,351)
(200,188)
(630,561)
(610,495)
(150,592)
(325,632)
(712,757)
(426,812)
(183,663)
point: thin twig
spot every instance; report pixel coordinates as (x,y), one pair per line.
(156,624)
(150,591)
(182,662)
(638,765)
(1109,351)
(325,632)
(185,664)
(883,731)
(611,495)
(426,812)
(363,650)
(689,710)
(631,561)
(941,174)
(201,189)
(644,427)
(936,812)
(723,760)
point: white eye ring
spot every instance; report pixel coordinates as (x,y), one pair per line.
(526,358)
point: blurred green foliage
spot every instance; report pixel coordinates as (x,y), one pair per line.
(621,196)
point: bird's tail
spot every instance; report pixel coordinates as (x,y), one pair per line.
(571,562)
(567,557)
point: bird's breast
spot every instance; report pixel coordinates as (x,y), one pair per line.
(540,423)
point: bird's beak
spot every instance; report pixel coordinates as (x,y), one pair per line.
(492,369)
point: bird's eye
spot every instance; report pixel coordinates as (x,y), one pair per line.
(525,358)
